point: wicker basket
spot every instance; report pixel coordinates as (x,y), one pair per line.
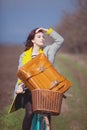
(46,101)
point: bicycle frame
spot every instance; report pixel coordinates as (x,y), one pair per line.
(36,122)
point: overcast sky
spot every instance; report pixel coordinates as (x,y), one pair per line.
(19,17)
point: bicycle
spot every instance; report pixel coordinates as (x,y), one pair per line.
(42,106)
(40,122)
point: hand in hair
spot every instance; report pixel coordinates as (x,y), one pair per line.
(42,29)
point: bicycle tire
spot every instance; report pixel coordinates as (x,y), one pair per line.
(45,125)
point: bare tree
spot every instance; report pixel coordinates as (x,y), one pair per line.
(73,27)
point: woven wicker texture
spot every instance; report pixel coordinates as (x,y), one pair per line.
(46,101)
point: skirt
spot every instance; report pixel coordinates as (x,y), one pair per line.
(22,99)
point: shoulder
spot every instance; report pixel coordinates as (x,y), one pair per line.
(27,52)
(25,56)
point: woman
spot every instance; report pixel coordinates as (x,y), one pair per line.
(35,44)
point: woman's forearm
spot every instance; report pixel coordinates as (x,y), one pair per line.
(52,49)
(57,37)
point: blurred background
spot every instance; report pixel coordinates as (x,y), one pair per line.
(68,18)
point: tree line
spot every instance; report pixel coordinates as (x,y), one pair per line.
(73,28)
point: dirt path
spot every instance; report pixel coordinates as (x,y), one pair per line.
(78,99)
(79,76)
(78,58)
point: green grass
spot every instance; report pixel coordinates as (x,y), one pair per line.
(11,121)
(77,103)
(75,118)
(77,65)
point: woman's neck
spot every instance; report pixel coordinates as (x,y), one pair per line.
(36,49)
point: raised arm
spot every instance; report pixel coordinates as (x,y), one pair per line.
(52,49)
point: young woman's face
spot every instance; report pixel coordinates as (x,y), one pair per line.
(39,39)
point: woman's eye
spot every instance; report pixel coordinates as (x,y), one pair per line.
(39,36)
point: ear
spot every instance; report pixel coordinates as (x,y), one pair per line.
(32,41)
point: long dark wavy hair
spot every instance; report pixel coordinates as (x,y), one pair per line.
(29,43)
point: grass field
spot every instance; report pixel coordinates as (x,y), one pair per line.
(74,109)
(73,114)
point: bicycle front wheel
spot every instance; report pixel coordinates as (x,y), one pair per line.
(45,125)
